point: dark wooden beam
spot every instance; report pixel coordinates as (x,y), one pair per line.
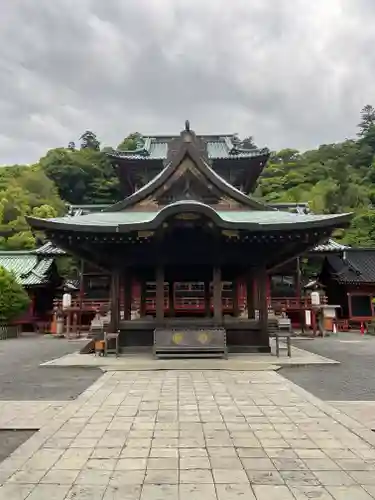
(115,300)
(159,278)
(250,296)
(299,292)
(262,303)
(81,294)
(142,298)
(207,298)
(236,306)
(217,299)
(171,298)
(127,284)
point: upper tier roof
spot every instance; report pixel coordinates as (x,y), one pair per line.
(223,147)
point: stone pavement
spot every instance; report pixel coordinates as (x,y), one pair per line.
(361,411)
(28,414)
(237,362)
(190,435)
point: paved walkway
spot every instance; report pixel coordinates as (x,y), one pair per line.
(190,435)
(28,414)
(361,411)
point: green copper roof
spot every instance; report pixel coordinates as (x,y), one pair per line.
(218,147)
(256,220)
(28,268)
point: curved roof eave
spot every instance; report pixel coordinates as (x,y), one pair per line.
(110,227)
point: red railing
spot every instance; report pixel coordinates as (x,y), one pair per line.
(293,303)
(190,303)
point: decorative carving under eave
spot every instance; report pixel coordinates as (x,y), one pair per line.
(230,234)
(148,203)
(145,234)
(187,216)
(226,202)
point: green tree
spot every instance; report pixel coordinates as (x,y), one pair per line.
(13,298)
(362,229)
(29,193)
(83,176)
(89,141)
(131,142)
(367,120)
(21,240)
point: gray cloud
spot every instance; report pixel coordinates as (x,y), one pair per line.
(290,73)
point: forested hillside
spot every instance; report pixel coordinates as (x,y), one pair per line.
(332,178)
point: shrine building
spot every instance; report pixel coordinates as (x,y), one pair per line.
(186,224)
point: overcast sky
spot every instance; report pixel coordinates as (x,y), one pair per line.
(292,73)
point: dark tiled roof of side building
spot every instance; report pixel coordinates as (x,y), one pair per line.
(353,266)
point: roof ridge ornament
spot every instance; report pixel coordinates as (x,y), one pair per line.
(187,126)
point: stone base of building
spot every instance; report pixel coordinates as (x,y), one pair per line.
(242,335)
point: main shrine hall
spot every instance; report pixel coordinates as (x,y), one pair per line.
(187,220)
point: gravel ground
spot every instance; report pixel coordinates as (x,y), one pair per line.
(21,377)
(352,380)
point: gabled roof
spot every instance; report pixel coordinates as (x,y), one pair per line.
(28,268)
(353,266)
(224,147)
(188,145)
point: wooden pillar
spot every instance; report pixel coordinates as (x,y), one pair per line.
(299,295)
(235,298)
(159,293)
(171,299)
(250,296)
(262,304)
(81,296)
(207,299)
(217,299)
(127,287)
(115,300)
(142,298)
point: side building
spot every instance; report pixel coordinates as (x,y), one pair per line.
(37,272)
(348,277)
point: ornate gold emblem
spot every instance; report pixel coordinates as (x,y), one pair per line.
(177,338)
(203,338)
